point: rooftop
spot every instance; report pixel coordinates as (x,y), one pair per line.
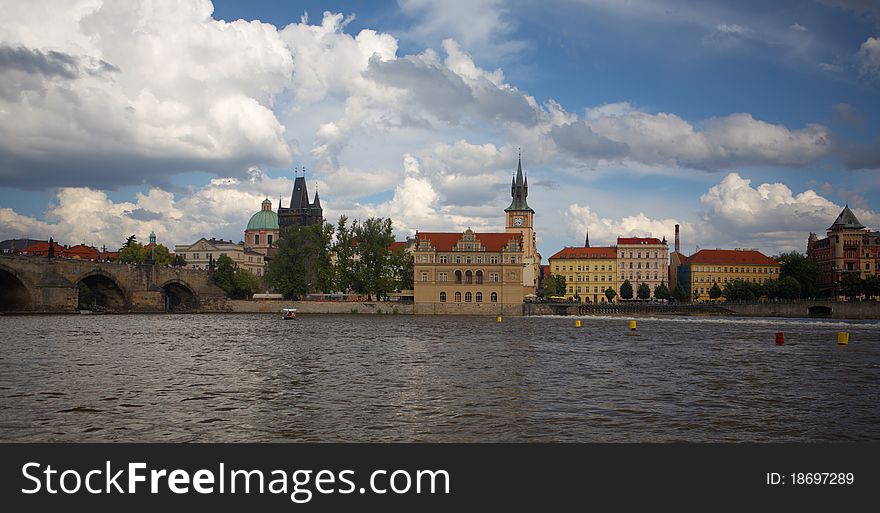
(583,252)
(445,241)
(730,256)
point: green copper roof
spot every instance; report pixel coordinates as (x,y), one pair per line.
(263,220)
(519,190)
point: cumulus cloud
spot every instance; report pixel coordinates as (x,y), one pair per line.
(84,215)
(581,219)
(869,56)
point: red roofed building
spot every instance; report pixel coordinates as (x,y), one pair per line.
(80,251)
(588,272)
(642,260)
(480,273)
(700,271)
(848,248)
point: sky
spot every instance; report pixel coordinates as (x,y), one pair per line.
(750,123)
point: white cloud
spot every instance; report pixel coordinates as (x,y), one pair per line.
(731,28)
(581,218)
(869,54)
(797,27)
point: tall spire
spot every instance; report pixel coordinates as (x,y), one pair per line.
(587,240)
(519,189)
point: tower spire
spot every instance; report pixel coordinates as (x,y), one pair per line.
(587,240)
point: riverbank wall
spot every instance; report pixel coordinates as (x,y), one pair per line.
(319,307)
(852,310)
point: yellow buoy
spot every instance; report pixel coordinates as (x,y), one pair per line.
(577,323)
(842,338)
(499,319)
(632,324)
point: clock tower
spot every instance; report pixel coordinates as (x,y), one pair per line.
(520,219)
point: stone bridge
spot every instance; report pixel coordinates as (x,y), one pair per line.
(41,284)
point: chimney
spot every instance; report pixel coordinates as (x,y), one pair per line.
(677,240)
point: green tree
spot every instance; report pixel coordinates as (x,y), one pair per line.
(851,286)
(374,237)
(715,291)
(245,284)
(299,266)
(344,249)
(403,267)
(224,274)
(872,286)
(802,269)
(789,288)
(132,253)
(561,285)
(644,292)
(129,241)
(626,290)
(610,294)
(662,291)
(326,271)
(551,286)
(179,260)
(679,294)
(741,290)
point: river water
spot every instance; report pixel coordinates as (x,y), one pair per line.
(177,378)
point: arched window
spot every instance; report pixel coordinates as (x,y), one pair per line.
(458,297)
(494,297)
(479,278)
(479,297)
(468,297)
(468,276)
(442,297)
(457,276)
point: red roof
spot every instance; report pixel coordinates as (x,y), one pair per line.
(594,252)
(730,256)
(397,246)
(445,241)
(638,240)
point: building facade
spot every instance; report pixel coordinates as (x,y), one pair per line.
(706,267)
(588,272)
(848,248)
(479,273)
(262,230)
(203,252)
(300,212)
(642,260)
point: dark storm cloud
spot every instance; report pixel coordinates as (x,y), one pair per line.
(50,64)
(141,214)
(582,142)
(866,6)
(447,95)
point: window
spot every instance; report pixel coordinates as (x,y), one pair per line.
(595,289)
(494,260)
(467,259)
(479,297)
(424,275)
(468,297)
(444,259)
(195,256)
(493,277)
(457,259)
(457,276)
(442,297)
(458,297)
(493,297)
(269,240)
(479,259)
(479,277)
(443,277)
(256,239)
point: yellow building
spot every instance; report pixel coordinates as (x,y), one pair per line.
(706,267)
(588,272)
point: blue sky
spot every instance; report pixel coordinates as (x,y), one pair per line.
(750,123)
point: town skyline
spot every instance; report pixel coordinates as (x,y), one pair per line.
(405,110)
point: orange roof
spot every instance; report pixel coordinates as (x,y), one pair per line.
(593,252)
(638,240)
(42,248)
(730,256)
(445,241)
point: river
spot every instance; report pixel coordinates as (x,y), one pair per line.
(181,378)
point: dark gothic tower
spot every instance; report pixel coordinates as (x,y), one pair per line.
(300,212)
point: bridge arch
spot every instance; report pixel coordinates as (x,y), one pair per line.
(179,295)
(819,311)
(99,288)
(16,295)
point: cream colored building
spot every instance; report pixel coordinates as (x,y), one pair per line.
(702,270)
(199,255)
(642,260)
(588,272)
(479,273)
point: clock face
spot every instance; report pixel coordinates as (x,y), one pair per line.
(517,221)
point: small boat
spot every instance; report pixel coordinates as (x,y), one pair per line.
(288,313)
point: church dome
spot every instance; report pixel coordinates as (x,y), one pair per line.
(265,219)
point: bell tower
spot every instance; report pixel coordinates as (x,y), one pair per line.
(520,218)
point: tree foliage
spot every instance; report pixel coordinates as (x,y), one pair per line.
(133,252)
(302,263)
(715,291)
(610,294)
(644,292)
(236,282)
(803,270)
(662,291)
(626,290)
(679,294)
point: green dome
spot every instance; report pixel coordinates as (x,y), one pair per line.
(263,220)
